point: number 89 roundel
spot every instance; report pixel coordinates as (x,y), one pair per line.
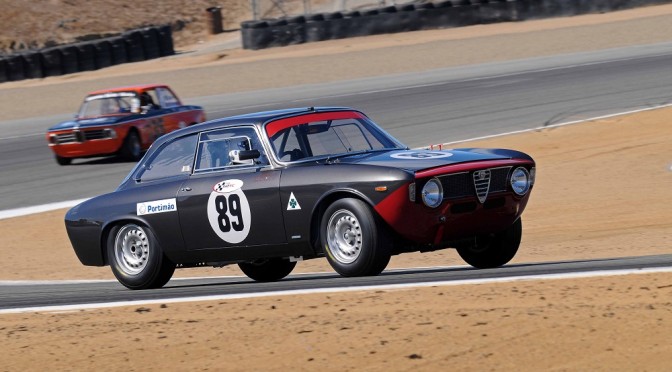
(229,212)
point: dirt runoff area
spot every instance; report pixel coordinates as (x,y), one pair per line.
(603,191)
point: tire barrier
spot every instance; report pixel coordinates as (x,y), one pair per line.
(166,47)
(131,46)
(118,49)
(86,57)
(3,70)
(15,70)
(52,62)
(134,47)
(103,53)
(32,65)
(411,17)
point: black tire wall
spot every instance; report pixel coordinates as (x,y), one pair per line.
(426,16)
(131,46)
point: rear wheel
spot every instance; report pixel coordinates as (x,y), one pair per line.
(63,161)
(267,270)
(131,149)
(353,239)
(495,250)
(136,258)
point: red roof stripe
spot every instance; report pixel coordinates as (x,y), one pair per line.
(272,128)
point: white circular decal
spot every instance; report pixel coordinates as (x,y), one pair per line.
(420,155)
(229,211)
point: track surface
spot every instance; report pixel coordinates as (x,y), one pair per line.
(419,109)
(20,296)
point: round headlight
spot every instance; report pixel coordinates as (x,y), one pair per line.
(432,193)
(520,181)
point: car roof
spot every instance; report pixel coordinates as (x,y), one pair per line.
(130,88)
(256,118)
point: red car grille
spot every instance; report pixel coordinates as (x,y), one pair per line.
(465,184)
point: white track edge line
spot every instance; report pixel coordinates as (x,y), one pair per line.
(589,274)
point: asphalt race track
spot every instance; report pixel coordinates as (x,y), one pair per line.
(36,295)
(419,108)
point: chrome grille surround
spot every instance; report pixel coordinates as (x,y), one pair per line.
(482,184)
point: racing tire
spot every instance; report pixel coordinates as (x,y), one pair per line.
(131,149)
(270,270)
(493,251)
(353,239)
(63,161)
(136,258)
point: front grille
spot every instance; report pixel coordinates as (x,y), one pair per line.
(498,178)
(95,134)
(461,185)
(482,183)
(67,137)
(456,185)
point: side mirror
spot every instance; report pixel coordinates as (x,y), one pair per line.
(240,156)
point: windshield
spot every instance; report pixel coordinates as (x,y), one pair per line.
(106,104)
(325,138)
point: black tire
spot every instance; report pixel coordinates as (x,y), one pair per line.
(131,149)
(495,250)
(353,239)
(63,161)
(269,270)
(136,258)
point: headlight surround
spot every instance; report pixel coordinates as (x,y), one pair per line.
(520,181)
(432,193)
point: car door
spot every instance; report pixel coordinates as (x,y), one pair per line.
(225,203)
(173,119)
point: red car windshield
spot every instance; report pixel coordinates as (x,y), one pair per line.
(106,104)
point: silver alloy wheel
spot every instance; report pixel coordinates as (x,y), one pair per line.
(131,249)
(344,236)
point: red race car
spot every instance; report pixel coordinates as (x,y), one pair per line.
(123,121)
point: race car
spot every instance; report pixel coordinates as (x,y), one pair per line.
(123,121)
(268,189)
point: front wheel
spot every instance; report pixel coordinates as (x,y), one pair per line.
(136,259)
(131,149)
(353,239)
(494,251)
(63,161)
(268,270)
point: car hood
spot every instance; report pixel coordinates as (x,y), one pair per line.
(92,122)
(415,160)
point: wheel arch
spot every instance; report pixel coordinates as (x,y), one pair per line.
(106,235)
(320,207)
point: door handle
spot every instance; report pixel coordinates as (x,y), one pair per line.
(186,188)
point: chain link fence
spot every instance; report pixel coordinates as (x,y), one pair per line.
(265,9)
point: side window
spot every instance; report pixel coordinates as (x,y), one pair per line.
(215,147)
(172,159)
(166,98)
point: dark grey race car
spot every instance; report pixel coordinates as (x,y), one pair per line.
(269,189)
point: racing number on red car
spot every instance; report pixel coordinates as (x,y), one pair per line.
(229,211)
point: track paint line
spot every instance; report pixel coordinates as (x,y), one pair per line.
(10,213)
(9,283)
(555,125)
(18,212)
(589,274)
(21,136)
